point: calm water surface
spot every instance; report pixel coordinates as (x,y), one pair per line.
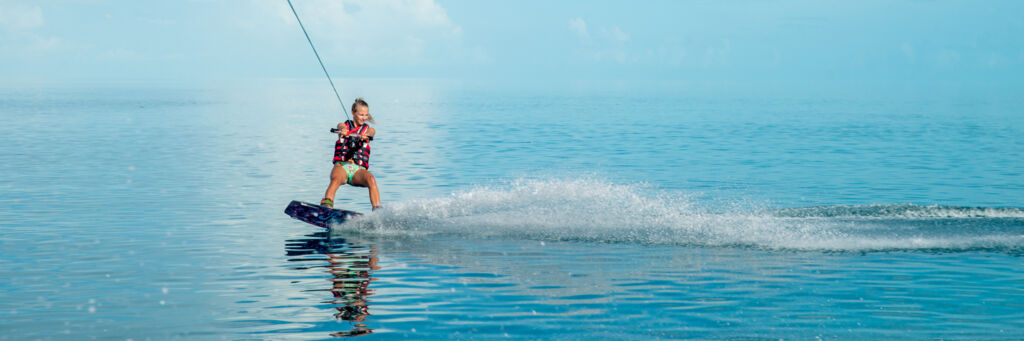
(143,211)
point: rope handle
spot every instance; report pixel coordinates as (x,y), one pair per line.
(335,130)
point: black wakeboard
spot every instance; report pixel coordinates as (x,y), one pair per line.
(318,215)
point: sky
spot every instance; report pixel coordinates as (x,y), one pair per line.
(532,41)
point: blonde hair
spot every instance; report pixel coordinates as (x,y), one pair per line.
(360,102)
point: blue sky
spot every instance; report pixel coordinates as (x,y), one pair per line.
(537,41)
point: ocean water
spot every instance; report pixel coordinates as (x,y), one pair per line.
(572,211)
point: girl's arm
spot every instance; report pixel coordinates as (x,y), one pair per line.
(342,131)
(369,133)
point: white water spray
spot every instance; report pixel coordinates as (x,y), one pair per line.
(595,210)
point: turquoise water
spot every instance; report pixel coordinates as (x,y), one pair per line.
(154,211)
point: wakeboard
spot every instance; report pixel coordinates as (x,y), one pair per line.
(318,215)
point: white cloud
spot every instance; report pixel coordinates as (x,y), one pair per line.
(378,31)
(17,17)
(122,54)
(18,30)
(609,44)
(579,27)
(43,44)
(615,34)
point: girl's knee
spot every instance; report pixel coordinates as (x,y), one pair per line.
(365,179)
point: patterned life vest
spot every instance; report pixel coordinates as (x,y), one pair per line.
(360,154)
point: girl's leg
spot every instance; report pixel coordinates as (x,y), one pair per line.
(364,178)
(338,178)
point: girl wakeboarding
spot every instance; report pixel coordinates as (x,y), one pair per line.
(352,155)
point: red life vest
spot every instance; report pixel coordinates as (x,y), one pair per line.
(360,154)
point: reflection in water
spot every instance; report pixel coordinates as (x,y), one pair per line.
(350,265)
